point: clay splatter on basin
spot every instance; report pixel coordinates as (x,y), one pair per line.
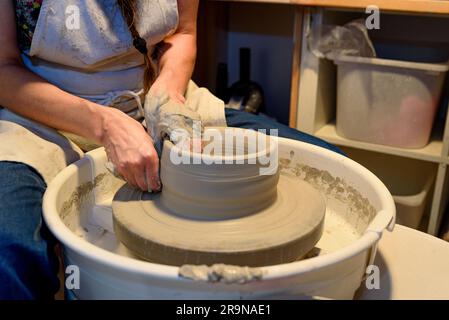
(347,212)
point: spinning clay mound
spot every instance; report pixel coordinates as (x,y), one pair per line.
(230,213)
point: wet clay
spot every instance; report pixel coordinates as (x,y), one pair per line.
(220,273)
(331,186)
(76,199)
(226,214)
(214,191)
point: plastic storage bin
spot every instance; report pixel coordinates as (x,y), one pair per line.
(410,208)
(387,102)
(409,181)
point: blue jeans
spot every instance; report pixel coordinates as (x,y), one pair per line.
(28,263)
(240,119)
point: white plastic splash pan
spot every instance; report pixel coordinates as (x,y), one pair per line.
(359,208)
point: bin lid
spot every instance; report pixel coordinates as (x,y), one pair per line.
(432,67)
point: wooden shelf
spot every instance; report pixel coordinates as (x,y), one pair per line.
(431,152)
(260,1)
(418,6)
(421,6)
(313,80)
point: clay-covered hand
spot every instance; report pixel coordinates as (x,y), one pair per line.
(169,118)
(130,149)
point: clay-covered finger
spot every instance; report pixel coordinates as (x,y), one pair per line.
(141,180)
(126,174)
(152,173)
(138,172)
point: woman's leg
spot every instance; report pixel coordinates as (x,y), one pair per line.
(241,119)
(28,263)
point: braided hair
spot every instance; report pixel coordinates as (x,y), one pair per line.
(129,12)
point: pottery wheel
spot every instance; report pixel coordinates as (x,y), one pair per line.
(282,230)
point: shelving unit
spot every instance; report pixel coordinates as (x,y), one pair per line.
(312,93)
(431,152)
(412,6)
(315,114)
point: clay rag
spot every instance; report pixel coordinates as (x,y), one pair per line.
(330,41)
(163,117)
(167,119)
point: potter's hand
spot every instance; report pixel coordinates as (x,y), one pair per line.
(163,87)
(167,117)
(130,149)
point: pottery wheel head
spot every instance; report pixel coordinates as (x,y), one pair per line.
(224,204)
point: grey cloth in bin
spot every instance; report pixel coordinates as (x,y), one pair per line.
(330,41)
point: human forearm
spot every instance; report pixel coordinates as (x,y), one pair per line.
(178,54)
(32,97)
(126,142)
(178,61)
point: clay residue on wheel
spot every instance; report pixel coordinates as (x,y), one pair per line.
(315,252)
(78,197)
(330,186)
(221,273)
